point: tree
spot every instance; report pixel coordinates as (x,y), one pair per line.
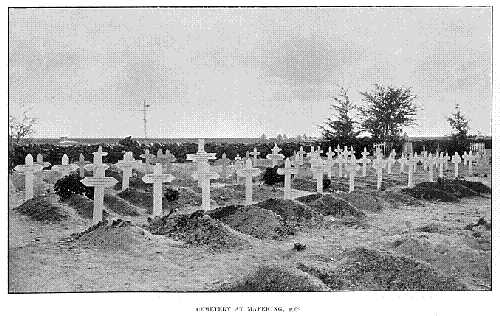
(340,127)
(21,128)
(386,111)
(459,124)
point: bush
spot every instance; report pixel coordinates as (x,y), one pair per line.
(171,194)
(71,184)
(326,183)
(271,176)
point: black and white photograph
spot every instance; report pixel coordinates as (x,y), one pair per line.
(169,149)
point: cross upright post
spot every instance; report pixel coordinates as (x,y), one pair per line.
(275,156)
(456,159)
(28,169)
(288,170)
(99,181)
(379,164)
(352,167)
(126,165)
(248,173)
(65,167)
(318,169)
(203,175)
(157,178)
(81,165)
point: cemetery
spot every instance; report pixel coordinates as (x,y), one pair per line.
(251,149)
(209,221)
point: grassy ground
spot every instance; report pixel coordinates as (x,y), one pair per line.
(42,259)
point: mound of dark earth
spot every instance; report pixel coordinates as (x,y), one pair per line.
(111,235)
(397,199)
(119,206)
(42,209)
(83,206)
(196,229)
(447,190)
(291,212)
(145,199)
(254,221)
(276,278)
(368,269)
(362,200)
(329,205)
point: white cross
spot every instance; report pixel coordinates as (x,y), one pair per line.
(275,156)
(126,165)
(470,161)
(300,156)
(223,160)
(97,160)
(329,161)
(441,161)
(99,181)
(201,156)
(424,160)
(165,158)
(390,161)
(402,162)
(157,178)
(203,175)
(318,169)
(447,159)
(431,160)
(238,164)
(255,155)
(39,161)
(379,164)
(248,173)
(412,161)
(28,169)
(340,161)
(456,160)
(65,167)
(287,171)
(365,161)
(352,167)
(147,157)
(81,164)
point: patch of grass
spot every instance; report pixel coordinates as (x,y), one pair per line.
(41,209)
(275,279)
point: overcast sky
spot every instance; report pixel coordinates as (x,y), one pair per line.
(241,72)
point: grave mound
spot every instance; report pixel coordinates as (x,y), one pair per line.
(275,278)
(369,269)
(310,185)
(291,212)
(480,223)
(309,198)
(362,200)
(42,209)
(398,199)
(254,221)
(196,229)
(417,248)
(433,228)
(110,235)
(145,199)
(119,206)
(83,206)
(444,190)
(329,205)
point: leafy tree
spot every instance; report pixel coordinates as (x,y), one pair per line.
(341,127)
(459,123)
(386,111)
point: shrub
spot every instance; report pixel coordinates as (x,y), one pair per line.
(326,183)
(71,184)
(171,194)
(271,176)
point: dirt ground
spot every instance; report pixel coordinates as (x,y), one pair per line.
(41,259)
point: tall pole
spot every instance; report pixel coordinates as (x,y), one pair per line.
(145,106)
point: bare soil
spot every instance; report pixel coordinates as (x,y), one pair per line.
(417,244)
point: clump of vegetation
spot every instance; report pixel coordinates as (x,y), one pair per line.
(276,278)
(271,176)
(71,184)
(480,222)
(41,209)
(171,195)
(369,269)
